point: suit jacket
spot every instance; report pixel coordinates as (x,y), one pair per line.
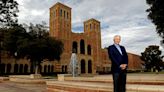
(116,57)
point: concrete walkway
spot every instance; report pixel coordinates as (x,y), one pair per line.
(103,83)
(17,87)
(99,82)
(99,87)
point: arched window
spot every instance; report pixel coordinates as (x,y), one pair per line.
(82,66)
(65,68)
(89,49)
(64,14)
(32,68)
(54,13)
(90,26)
(49,68)
(8,68)
(94,27)
(52,68)
(16,68)
(25,68)
(89,66)
(40,68)
(74,46)
(67,15)
(86,27)
(82,47)
(45,68)
(97,27)
(61,12)
(21,69)
(3,67)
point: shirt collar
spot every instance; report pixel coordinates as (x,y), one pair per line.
(116,44)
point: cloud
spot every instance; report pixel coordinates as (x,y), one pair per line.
(125,17)
(135,39)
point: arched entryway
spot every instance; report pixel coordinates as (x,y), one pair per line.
(82,66)
(74,46)
(66,68)
(32,68)
(63,70)
(45,68)
(16,68)
(8,68)
(82,47)
(89,66)
(21,69)
(25,68)
(40,69)
(52,68)
(89,49)
(49,68)
(3,67)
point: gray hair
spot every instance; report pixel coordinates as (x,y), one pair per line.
(116,36)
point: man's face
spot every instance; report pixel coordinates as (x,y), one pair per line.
(117,39)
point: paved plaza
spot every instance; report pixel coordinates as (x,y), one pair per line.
(151,83)
(17,87)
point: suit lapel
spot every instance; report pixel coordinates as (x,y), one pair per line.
(117,49)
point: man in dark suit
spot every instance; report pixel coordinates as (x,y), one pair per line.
(119,58)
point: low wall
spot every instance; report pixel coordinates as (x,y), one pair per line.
(135,83)
(26,79)
(4,79)
(68,86)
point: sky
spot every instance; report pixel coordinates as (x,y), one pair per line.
(127,18)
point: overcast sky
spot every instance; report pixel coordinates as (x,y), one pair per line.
(123,17)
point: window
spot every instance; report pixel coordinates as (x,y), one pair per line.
(86,26)
(89,49)
(64,14)
(67,15)
(82,47)
(74,47)
(89,66)
(54,14)
(61,12)
(94,26)
(90,26)
(82,66)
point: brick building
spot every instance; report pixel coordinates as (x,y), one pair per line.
(91,57)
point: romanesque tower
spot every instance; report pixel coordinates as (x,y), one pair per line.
(60,28)
(92,31)
(60,23)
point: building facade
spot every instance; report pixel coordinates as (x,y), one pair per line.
(91,57)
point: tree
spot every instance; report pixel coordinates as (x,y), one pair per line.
(36,45)
(152,57)
(11,37)
(8,12)
(156,14)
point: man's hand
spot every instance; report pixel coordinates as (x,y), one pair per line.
(123,66)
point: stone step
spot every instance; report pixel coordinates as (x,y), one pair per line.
(147,79)
(70,86)
(4,78)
